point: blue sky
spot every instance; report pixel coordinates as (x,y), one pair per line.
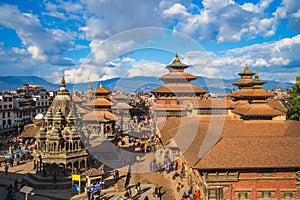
(91,40)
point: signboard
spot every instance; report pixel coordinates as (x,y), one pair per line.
(97,186)
(76,183)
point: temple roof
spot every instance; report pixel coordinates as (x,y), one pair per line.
(62,101)
(168,107)
(76,99)
(94,172)
(243,82)
(99,101)
(246,71)
(176,63)
(101,90)
(251,93)
(257,138)
(121,106)
(178,75)
(30,131)
(249,152)
(257,81)
(213,103)
(97,115)
(257,109)
(119,96)
(179,88)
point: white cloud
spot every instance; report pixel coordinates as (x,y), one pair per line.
(146,68)
(272,58)
(296,14)
(176,10)
(36,53)
(45,45)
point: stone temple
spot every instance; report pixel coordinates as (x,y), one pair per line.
(59,149)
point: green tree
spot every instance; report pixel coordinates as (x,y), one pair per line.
(293,102)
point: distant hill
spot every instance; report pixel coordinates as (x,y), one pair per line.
(134,84)
(14,82)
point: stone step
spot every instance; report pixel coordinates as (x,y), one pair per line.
(41,178)
(28,180)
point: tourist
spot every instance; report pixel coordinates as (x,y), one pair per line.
(88,194)
(6,169)
(150,166)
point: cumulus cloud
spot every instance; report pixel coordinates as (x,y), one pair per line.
(106,18)
(45,45)
(176,10)
(272,59)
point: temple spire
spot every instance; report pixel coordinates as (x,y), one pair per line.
(246,68)
(176,60)
(63,85)
(256,75)
(101,84)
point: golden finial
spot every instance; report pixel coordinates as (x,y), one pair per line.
(63,82)
(256,75)
(100,84)
(176,60)
(246,68)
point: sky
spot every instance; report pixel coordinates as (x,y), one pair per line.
(93,40)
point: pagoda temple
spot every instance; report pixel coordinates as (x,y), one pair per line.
(253,102)
(177,92)
(100,121)
(121,106)
(59,148)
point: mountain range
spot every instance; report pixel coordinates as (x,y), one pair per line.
(134,84)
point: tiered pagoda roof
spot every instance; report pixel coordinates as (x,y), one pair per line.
(255,104)
(100,106)
(177,81)
(246,79)
(101,91)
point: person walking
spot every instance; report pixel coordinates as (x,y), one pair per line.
(6,169)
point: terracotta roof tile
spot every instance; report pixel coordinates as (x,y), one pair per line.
(96,115)
(243,81)
(179,88)
(251,93)
(101,90)
(93,172)
(99,101)
(247,152)
(76,99)
(120,95)
(257,109)
(209,131)
(121,106)
(178,75)
(277,105)
(168,107)
(30,131)
(213,103)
